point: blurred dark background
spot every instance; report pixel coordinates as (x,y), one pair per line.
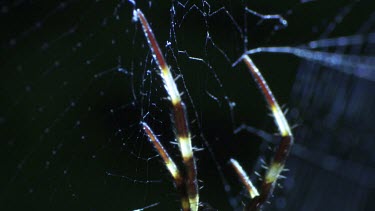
(77,78)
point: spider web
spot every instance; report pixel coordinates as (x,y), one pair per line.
(78,77)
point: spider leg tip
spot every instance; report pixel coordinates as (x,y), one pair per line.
(137,13)
(135,16)
(143,123)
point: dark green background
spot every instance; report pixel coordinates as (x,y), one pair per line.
(67,117)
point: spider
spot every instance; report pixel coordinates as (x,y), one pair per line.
(185,180)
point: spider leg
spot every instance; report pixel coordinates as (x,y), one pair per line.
(179,115)
(253,192)
(282,152)
(171,166)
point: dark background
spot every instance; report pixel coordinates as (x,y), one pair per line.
(77,78)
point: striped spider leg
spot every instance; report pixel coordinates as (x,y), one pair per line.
(258,199)
(185,181)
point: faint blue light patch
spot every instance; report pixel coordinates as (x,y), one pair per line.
(47,164)
(45,46)
(2,120)
(57,63)
(38,24)
(46,130)
(12,42)
(4,9)
(330,163)
(351,64)
(28,88)
(280,203)
(289,183)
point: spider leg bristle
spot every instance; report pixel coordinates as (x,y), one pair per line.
(282,177)
(178,77)
(295,126)
(198,149)
(262,161)
(285,112)
(264,167)
(174,143)
(166,98)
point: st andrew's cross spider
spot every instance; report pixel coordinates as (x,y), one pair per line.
(185,180)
